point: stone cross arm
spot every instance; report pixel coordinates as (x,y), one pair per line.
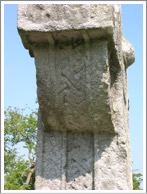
(77,49)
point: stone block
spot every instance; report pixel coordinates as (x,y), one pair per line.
(81,59)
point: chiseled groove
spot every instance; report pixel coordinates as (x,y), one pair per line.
(86,44)
(93,173)
(96,157)
(63,160)
(66,166)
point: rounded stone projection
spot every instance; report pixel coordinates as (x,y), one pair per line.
(81,59)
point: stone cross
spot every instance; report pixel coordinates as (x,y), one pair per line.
(81,59)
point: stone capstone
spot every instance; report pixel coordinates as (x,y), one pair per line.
(81,59)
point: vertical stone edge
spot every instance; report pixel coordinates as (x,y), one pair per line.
(64,160)
(44,140)
(39,152)
(126,116)
(95,165)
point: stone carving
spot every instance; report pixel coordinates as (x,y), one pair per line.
(81,59)
(128,52)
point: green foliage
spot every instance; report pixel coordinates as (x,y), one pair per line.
(137,179)
(14,179)
(19,127)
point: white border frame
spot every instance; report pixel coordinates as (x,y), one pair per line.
(144,95)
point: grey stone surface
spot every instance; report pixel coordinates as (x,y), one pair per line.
(128,52)
(50,18)
(81,59)
(67,87)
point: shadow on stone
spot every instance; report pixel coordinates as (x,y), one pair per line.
(70,159)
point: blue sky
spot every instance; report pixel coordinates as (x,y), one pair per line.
(20,79)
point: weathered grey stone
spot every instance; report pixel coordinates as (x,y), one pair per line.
(81,59)
(128,52)
(51,18)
